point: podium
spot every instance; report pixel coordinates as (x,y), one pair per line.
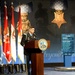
(37,58)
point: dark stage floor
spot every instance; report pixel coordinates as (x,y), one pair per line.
(51,71)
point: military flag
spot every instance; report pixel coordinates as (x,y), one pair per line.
(6,37)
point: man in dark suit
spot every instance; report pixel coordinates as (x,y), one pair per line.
(26,37)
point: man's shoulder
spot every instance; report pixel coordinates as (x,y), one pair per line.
(24,33)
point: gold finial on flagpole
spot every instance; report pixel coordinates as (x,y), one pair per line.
(11,3)
(5,2)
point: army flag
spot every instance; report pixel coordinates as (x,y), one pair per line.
(6,38)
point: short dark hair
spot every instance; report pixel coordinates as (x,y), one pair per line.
(31,27)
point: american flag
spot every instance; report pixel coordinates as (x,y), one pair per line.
(20,48)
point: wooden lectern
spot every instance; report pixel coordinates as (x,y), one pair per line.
(37,58)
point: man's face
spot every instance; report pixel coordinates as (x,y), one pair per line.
(24,17)
(32,30)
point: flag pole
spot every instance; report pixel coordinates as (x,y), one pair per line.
(13,38)
(11,34)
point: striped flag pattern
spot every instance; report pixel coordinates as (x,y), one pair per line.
(20,48)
